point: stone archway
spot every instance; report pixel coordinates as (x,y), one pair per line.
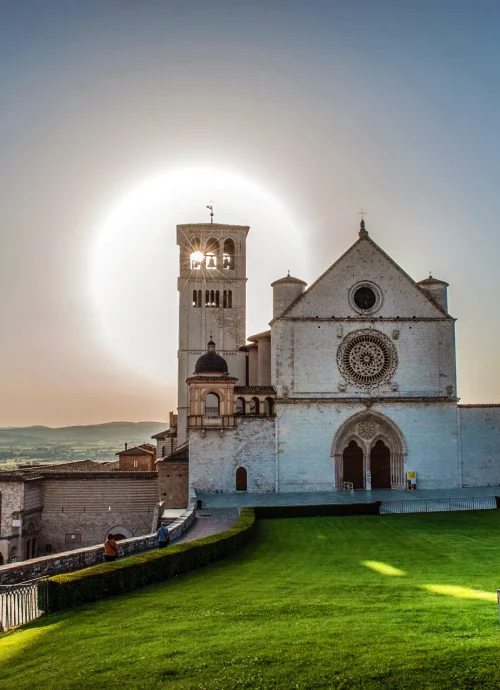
(383,450)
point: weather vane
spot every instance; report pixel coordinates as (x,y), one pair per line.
(211,207)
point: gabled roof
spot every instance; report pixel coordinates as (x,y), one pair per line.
(363,238)
(168,433)
(144,449)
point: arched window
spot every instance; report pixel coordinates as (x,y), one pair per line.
(241,479)
(254,406)
(211,254)
(212,405)
(268,406)
(194,248)
(216,298)
(207,298)
(228,254)
(196,298)
(224,300)
(13,555)
(240,405)
(229,299)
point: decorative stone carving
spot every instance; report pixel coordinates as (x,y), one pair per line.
(367,429)
(367,357)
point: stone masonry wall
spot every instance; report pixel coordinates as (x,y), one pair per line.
(305,434)
(173,483)
(90,507)
(480,444)
(84,558)
(214,458)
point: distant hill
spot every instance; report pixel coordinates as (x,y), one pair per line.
(112,432)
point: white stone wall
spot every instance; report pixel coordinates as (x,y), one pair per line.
(214,458)
(305,433)
(305,358)
(480,445)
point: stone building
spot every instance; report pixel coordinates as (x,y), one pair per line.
(54,508)
(353,385)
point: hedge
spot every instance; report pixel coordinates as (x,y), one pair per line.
(314,510)
(109,579)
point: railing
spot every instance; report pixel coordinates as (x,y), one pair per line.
(211,422)
(438,505)
(22,603)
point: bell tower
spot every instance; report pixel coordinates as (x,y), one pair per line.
(212,301)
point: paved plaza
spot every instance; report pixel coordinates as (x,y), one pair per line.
(240,500)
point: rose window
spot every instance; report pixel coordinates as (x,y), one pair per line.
(367,358)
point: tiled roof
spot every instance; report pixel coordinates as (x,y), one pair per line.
(166,434)
(258,390)
(77,466)
(288,279)
(180,454)
(254,338)
(144,449)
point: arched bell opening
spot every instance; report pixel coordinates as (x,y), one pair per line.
(228,255)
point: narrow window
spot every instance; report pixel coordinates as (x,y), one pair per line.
(195,298)
(230,299)
(224,300)
(199,298)
(217,298)
(207,298)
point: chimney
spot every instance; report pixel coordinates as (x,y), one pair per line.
(126,445)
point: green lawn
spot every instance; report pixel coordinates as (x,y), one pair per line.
(342,602)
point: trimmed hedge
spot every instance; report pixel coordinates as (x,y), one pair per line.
(109,579)
(314,510)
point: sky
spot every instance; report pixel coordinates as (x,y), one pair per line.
(317,108)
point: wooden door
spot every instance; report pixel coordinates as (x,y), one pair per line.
(353,465)
(380,465)
(241,479)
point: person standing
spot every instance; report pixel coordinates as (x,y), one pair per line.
(163,536)
(110,549)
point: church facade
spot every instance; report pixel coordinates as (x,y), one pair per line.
(353,386)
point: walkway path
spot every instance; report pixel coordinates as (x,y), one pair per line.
(209,522)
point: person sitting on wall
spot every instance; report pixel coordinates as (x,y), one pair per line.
(110,548)
(163,536)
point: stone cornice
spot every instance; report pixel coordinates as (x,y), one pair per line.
(367,402)
(365,319)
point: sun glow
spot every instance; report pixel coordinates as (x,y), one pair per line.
(134,259)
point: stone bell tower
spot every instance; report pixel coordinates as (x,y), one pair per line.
(212,301)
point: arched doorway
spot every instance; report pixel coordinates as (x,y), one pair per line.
(353,465)
(241,479)
(380,465)
(382,447)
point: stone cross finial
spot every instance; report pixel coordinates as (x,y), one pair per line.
(363,232)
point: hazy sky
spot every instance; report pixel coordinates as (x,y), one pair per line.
(392,106)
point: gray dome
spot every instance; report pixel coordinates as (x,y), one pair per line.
(211,362)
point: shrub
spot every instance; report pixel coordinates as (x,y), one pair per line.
(108,579)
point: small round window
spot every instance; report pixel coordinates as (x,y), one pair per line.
(365,298)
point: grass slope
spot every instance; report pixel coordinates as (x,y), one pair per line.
(355,602)
(113,432)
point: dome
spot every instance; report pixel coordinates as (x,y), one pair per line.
(211,362)
(287,280)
